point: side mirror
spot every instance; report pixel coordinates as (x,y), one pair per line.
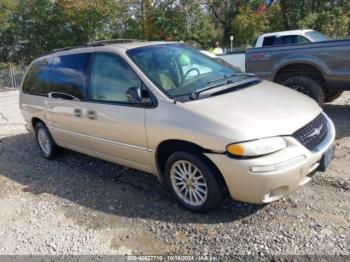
(138,96)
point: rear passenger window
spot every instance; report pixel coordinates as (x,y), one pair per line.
(36,79)
(111,77)
(292,39)
(68,75)
(269,40)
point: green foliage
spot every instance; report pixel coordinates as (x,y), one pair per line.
(32,27)
(275,19)
(37,26)
(327,16)
(181,21)
(334,23)
(248,25)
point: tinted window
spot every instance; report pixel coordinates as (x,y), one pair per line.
(68,74)
(35,81)
(111,77)
(292,39)
(269,40)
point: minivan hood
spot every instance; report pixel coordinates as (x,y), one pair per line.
(263,110)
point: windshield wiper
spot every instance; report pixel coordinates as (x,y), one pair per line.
(195,94)
(222,78)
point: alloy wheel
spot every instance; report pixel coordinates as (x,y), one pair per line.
(189,183)
(44,141)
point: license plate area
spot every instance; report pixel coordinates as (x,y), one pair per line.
(327,158)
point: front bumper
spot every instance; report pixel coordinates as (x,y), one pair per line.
(292,168)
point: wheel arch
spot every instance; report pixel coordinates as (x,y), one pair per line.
(299,68)
(35,121)
(168,147)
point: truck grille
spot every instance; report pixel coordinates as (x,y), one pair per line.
(313,133)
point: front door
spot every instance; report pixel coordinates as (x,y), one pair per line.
(115,127)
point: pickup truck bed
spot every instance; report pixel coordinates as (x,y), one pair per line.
(236,59)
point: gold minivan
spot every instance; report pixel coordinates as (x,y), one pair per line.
(167,109)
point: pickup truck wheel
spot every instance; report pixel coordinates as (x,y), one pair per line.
(45,142)
(307,86)
(194,184)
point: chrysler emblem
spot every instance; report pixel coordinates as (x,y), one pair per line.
(316,132)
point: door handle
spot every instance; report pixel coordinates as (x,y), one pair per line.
(91,114)
(78,112)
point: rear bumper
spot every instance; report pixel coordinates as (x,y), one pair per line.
(293,168)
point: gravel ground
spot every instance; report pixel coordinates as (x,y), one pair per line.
(81,205)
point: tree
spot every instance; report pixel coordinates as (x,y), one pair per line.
(330,17)
(223,12)
(36,26)
(275,18)
(32,27)
(180,20)
(248,25)
(334,23)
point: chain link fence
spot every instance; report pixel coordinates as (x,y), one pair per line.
(11,75)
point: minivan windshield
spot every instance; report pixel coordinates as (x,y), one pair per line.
(180,70)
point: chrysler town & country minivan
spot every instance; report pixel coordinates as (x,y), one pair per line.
(169,110)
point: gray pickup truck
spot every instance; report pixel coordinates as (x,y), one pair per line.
(320,70)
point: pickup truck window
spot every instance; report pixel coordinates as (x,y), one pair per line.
(317,36)
(269,41)
(292,39)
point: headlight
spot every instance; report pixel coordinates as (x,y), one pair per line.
(257,147)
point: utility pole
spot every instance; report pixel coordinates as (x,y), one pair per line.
(13,82)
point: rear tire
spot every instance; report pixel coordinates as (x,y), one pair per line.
(194,184)
(46,144)
(307,86)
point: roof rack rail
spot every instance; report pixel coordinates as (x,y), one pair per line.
(95,43)
(114,41)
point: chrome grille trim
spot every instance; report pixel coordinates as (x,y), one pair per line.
(315,134)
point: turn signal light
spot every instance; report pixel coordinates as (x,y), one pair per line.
(235,149)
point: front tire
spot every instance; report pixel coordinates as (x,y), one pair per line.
(307,86)
(46,144)
(193,182)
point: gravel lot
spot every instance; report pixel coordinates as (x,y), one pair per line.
(81,205)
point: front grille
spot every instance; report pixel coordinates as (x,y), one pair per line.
(313,133)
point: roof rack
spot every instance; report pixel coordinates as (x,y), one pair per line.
(95,43)
(114,41)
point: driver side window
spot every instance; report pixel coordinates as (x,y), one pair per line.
(111,77)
